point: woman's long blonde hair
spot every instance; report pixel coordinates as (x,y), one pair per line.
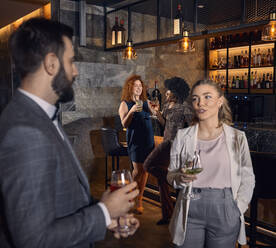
(128,87)
(225,113)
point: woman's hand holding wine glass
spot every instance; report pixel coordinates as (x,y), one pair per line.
(189,171)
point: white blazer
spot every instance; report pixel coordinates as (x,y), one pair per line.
(242,176)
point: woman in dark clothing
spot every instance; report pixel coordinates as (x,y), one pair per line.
(176,114)
(135,113)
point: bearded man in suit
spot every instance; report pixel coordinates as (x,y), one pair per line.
(44,194)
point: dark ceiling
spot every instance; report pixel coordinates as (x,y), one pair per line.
(11,10)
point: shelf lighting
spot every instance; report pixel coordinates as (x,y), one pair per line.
(129,52)
(269,30)
(185,44)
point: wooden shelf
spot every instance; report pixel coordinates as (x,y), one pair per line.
(237,91)
(261,91)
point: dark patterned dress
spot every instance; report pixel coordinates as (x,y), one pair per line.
(139,134)
(179,116)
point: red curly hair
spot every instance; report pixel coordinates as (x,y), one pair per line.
(128,87)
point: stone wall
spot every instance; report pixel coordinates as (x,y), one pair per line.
(102,74)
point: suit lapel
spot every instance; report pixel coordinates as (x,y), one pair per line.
(77,167)
(35,109)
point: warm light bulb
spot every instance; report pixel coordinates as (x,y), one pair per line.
(186,44)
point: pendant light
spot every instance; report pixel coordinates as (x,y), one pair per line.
(269,30)
(185,44)
(129,53)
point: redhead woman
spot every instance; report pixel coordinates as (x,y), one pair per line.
(135,113)
(226,183)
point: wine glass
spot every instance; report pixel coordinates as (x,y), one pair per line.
(139,104)
(192,167)
(154,103)
(119,179)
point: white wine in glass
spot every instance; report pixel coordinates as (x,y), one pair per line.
(192,167)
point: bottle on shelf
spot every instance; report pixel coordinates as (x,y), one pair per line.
(245,59)
(256,80)
(264,61)
(121,33)
(267,82)
(271,80)
(177,21)
(237,82)
(241,84)
(233,83)
(114,32)
(241,58)
(259,58)
(255,58)
(263,83)
(268,57)
(245,83)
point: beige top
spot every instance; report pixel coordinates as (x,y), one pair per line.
(215,162)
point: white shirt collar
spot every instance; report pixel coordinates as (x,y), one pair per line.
(47,107)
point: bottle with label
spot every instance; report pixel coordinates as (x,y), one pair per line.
(263,82)
(267,82)
(177,21)
(255,58)
(268,57)
(114,31)
(241,59)
(121,33)
(241,84)
(233,83)
(245,59)
(237,82)
(271,80)
(245,83)
(259,58)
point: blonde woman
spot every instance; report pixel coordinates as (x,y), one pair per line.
(226,183)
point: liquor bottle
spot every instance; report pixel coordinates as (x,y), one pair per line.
(263,82)
(252,80)
(271,80)
(245,59)
(256,80)
(241,84)
(259,58)
(114,31)
(177,21)
(222,83)
(263,59)
(241,59)
(233,83)
(237,82)
(245,83)
(268,57)
(255,58)
(212,43)
(272,56)
(121,33)
(267,83)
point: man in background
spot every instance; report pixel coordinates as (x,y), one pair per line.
(44,194)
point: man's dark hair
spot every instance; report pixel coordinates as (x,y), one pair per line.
(178,87)
(33,40)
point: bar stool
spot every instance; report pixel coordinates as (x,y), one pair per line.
(113,148)
(264,165)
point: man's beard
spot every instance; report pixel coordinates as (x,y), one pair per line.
(63,87)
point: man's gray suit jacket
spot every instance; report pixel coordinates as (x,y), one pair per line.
(44,198)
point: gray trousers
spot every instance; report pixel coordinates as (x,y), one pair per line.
(213,220)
